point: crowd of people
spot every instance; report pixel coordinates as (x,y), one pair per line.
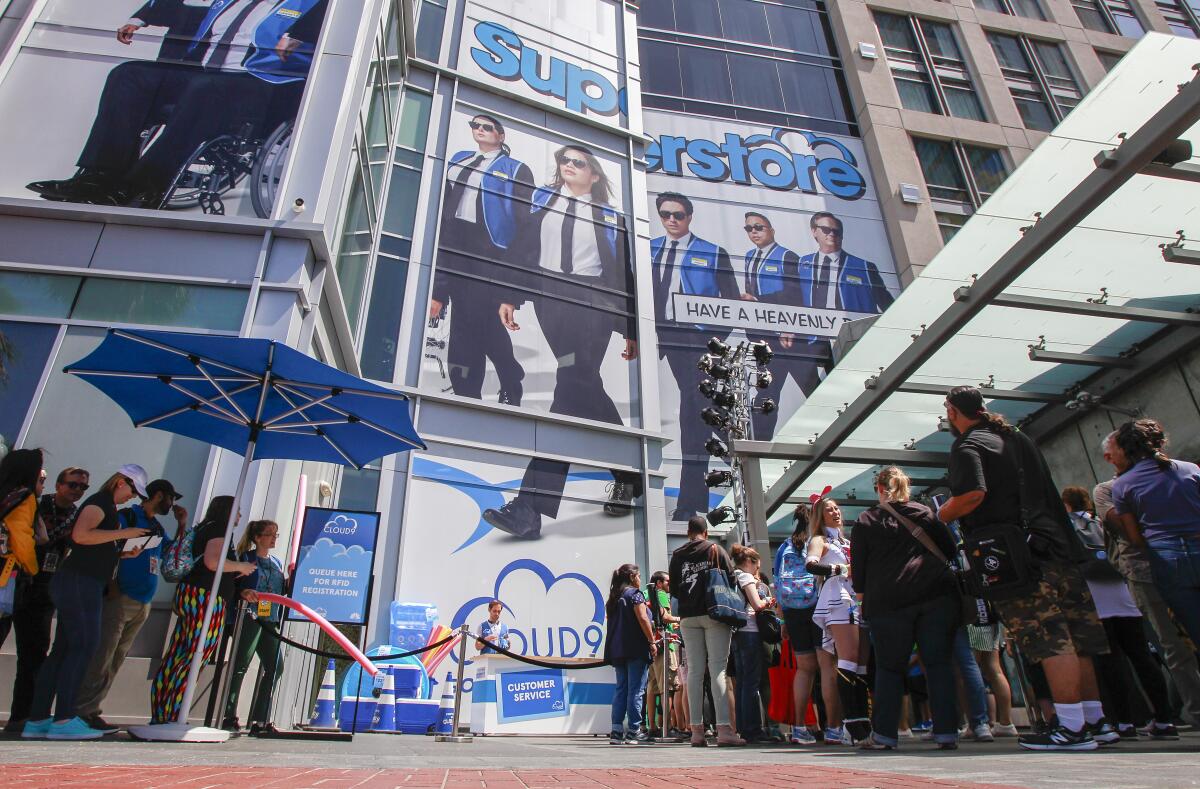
(95,564)
(899,625)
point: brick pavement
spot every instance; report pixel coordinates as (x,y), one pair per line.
(36,776)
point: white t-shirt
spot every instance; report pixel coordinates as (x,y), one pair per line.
(1112,598)
(744,579)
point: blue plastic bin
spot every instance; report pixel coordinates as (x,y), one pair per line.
(365,709)
(415,716)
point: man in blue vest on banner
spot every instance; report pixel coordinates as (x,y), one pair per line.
(245,63)
(687,264)
(833,279)
(773,277)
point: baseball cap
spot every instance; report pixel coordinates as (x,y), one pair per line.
(163,485)
(138,475)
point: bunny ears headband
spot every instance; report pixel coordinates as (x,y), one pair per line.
(814,498)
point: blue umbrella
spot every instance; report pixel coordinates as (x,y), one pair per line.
(259,398)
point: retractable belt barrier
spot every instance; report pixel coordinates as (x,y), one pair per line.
(344,655)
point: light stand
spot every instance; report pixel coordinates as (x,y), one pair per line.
(735,374)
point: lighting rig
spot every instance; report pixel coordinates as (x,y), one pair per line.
(735,374)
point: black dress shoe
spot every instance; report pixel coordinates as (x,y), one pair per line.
(516,518)
(620,499)
(511,395)
(86,186)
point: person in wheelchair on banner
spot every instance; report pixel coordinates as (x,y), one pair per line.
(222,67)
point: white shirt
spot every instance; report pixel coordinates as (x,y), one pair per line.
(1112,598)
(230,57)
(468,202)
(585,256)
(676,271)
(759,254)
(835,270)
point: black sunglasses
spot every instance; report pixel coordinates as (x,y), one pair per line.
(487,127)
(830,231)
(578,164)
(678,216)
(755,228)
(77,485)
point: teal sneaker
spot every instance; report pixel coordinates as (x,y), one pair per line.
(36,730)
(73,729)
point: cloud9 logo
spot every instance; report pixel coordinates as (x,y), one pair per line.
(340,524)
(507,57)
(558,640)
(761,158)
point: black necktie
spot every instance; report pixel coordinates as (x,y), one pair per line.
(217,59)
(752,274)
(821,282)
(568,237)
(664,277)
(460,182)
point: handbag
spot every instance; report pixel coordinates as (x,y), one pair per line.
(974,609)
(770,629)
(725,603)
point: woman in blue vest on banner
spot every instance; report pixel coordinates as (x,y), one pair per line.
(584,287)
(255,548)
(629,647)
(486,200)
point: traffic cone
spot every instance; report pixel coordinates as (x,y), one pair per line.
(386,704)
(445,720)
(325,712)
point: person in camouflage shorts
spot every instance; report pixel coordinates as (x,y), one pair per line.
(1058,619)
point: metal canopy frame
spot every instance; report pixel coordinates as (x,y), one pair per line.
(1114,168)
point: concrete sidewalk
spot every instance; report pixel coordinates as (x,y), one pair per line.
(376,760)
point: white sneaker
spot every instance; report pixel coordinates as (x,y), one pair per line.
(980,733)
(802,736)
(904,734)
(1004,730)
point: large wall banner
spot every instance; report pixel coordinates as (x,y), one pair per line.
(758,233)
(174,104)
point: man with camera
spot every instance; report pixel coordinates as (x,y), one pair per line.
(1018,542)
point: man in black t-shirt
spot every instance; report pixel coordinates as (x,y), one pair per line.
(997,475)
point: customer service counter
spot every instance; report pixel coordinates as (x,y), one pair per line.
(511,697)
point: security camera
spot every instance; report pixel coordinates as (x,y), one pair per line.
(298,205)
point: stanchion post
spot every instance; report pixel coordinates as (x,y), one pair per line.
(454,735)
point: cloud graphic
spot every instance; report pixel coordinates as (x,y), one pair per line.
(340,524)
(557,705)
(327,555)
(486,495)
(548,578)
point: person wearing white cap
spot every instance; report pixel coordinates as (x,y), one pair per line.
(78,594)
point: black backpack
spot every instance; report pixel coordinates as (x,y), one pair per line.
(1089,537)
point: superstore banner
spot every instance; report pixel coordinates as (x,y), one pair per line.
(757,233)
(175,104)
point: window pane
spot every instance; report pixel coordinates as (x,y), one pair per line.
(799,30)
(963,103)
(429,29)
(355,244)
(698,16)
(1035,113)
(1053,61)
(992,5)
(706,75)
(359,489)
(813,91)
(1128,24)
(949,224)
(895,32)
(940,168)
(744,20)
(1091,17)
(1028,8)
(1009,53)
(940,39)
(987,168)
(755,82)
(28,346)
(1108,59)
(660,68)
(414,119)
(657,13)
(401,210)
(160,304)
(382,331)
(916,95)
(37,295)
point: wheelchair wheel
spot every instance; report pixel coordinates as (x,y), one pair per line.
(268,169)
(216,167)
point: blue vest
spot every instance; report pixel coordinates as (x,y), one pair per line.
(698,266)
(262,61)
(771,278)
(497,187)
(612,220)
(854,284)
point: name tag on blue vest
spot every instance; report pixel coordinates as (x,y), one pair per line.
(699,261)
(853,280)
(500,174)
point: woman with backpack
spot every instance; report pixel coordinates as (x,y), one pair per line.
(797,594)
(78,594)
(629,647)
(899,562)
(748,645)
(191,598)
(1126,633)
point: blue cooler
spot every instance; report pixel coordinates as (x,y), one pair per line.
(410,680)
(366,713)
(415,716)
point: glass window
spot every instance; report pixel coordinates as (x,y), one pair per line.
(1108,59)
(924,55)
(414,119)
(24,350)
(992,5)
(706,75)
(660,68)
(698,16)
(987,169)
(949,224)
(657,13)
(382,332)
(1178,19)
(744,20)
(1028,77)
(400,212)
(37,295)
(431,19)
(940,167)
(1025,8)
(355,248)
(755,82)
(799,30)
(160,303)
(1092,16)
(1125,19)
(359,489)
(1057,73)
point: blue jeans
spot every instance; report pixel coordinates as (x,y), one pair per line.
(964,661)
(747,659)
(629,695)
(1175,562)
(79,600)
(931,626)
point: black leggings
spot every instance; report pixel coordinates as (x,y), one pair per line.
(1127,641)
